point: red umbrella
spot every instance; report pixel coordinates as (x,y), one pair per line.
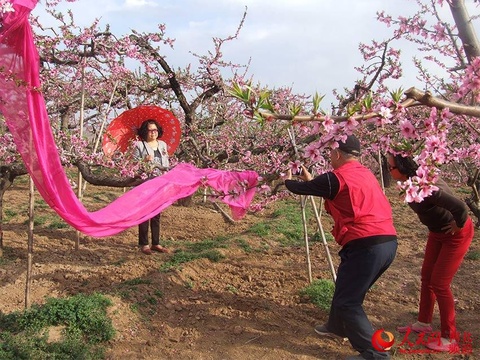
(123,129)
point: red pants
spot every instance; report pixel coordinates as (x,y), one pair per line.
(443,256)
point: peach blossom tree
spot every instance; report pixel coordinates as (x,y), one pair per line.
(439,126)
(234,122)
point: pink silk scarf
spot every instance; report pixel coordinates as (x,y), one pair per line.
(24,109)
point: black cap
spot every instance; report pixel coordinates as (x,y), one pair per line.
(350,146)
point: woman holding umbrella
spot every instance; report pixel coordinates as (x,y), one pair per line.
(150,149)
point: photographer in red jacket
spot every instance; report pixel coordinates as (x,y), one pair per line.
(364,228)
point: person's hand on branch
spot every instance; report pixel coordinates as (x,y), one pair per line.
(304,174)
(289,175)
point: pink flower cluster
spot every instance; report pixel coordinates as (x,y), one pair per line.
(471,81)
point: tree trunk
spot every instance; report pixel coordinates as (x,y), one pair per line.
(471,46)
(64,122)
(7,174)
(466,31)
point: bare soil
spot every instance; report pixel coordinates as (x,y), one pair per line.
(246,306)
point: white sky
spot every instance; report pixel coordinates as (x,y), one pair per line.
(310,45)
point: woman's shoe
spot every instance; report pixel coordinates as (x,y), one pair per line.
(438,345)
(415,328)
(146,250)
(160,249)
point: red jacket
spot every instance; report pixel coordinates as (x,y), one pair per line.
(360,208)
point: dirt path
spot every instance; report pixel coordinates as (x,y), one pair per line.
(246,306)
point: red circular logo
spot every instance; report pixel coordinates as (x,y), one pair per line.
(379,343)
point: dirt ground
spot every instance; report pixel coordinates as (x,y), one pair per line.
(246,306)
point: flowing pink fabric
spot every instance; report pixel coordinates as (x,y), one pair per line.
(24,109)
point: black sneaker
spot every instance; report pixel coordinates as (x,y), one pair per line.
(323,331)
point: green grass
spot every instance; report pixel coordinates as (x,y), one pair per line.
(208,244)
(37,220)
(184,256)
(189,284)
(40,204)
(49,221)
(206,249)
(232,289)
(135,282)
(152,300)
(286,225)
(86,327)
(22,180)
(473,255)
(58,224)
(464,190)
(242,243)
(9,214)
(320,293)
(101,197)
(128,288)
(261,229)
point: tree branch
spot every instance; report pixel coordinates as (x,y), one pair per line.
(105,179)
(426,98)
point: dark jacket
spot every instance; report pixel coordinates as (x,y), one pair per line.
(440,208)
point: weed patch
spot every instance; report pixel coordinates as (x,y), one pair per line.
(24,335)
(320,292)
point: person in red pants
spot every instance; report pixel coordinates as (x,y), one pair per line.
(450,235)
